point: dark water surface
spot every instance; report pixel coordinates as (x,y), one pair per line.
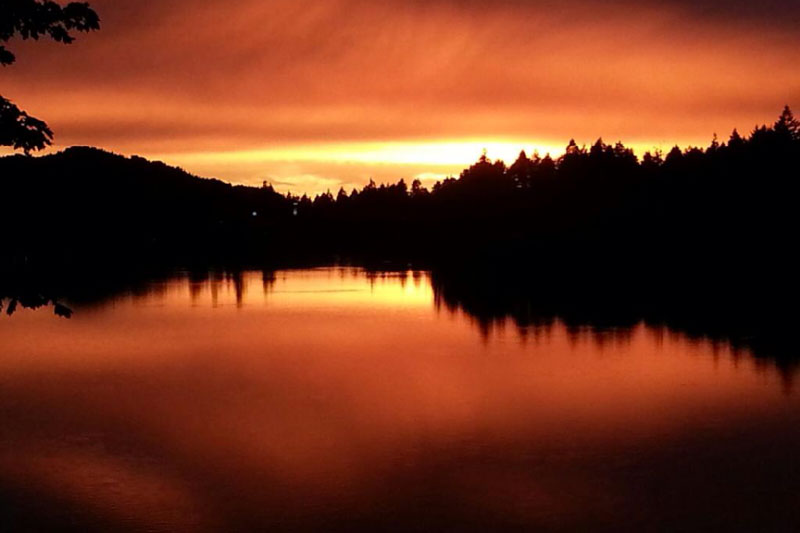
(335,399)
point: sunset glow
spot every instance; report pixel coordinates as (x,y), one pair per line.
(316,95)
(399,265)
(390,161)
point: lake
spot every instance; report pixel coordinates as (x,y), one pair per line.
(342,399)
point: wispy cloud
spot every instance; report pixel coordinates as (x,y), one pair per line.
(280,77)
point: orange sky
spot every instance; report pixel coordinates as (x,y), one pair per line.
(312,95)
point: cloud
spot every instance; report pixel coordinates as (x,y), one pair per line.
(179,77)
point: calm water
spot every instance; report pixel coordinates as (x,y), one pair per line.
(332,399)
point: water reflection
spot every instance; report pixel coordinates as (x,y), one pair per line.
(750,327)
(335,398)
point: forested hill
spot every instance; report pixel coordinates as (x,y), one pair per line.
(85,203)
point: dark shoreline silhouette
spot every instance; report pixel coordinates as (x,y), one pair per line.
(730,200)
(700,240)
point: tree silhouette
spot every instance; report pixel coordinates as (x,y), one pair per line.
(31,19)
(20,130)
(787,125)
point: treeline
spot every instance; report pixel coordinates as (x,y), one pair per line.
(733,201)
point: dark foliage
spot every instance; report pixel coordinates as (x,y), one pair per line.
(31,19)
(20,130)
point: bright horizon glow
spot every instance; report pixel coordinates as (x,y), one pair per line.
(351,164)
(314,95)
(428,161)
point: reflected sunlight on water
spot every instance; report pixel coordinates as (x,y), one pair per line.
(337,398)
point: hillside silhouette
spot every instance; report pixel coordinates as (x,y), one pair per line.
(84,204)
